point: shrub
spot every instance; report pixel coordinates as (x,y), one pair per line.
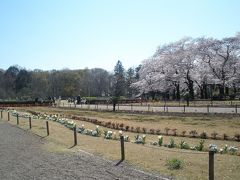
(200,146)
(121,126)
(174,164)
(232,150)
(203,135)
(237,137)
(160,140)
(152,131)
(144,130)
(171,143)
(132,129)
(127,128)
(214,135)
(184,145)
(225,136)
(167,130)
(183,133)
(158,131)
(174,132)
(193,133)
(138,129)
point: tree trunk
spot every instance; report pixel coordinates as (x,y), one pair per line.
(178,92)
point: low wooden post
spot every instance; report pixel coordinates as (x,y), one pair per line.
(211,165)
(164,108)
(236,109)
(207,108)
(47,128)
(184,108)
(8,116)
(30,123)
(17,120)
(122,148)
(107,106)
(1,114)
(118,106)
(131,107)
(70,106)
(75,135)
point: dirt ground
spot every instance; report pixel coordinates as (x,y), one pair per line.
(21,157)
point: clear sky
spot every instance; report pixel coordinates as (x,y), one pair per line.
(75,34)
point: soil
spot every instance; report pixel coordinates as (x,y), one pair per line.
(22,157)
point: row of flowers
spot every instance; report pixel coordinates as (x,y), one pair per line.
(138,139)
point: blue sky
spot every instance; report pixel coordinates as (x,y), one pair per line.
(75,34)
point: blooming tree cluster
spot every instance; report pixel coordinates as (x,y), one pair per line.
(190,67)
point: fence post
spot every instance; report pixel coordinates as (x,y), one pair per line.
(47,128)
(1,114)
(131,107)
(8,116)
(30,122)
(17,120)
(75,135)
(236,108)
(211,165)
(184,108)
(122,148)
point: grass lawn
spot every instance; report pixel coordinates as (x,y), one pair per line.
(146,157)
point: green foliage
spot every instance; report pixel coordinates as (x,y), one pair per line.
(171,143)
(200,146)
(174,164)
(184,145)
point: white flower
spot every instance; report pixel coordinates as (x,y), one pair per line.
(82,125)
(120,132)
(144,136)
(160,137)
(97,126)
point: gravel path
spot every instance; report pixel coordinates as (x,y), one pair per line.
(21,157)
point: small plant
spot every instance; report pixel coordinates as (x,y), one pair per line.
(200,146)
(183,133)
(132,129)
(114,136)
(237,137)
(121,126)
(232,150)
(167,130)
(158,131)
(126,138)
(160,140)
(171,143)
(184,145)
(138,129)
(144,130)
(140,139)
(108,135)
(174,131)
(193,133)
(152,131)
(214,135)
(127,128)
(224,150)
(203,135)
(225,136)
(174,164)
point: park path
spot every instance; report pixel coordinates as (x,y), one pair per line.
(22,158)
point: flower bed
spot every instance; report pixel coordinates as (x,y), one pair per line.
(139,139)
